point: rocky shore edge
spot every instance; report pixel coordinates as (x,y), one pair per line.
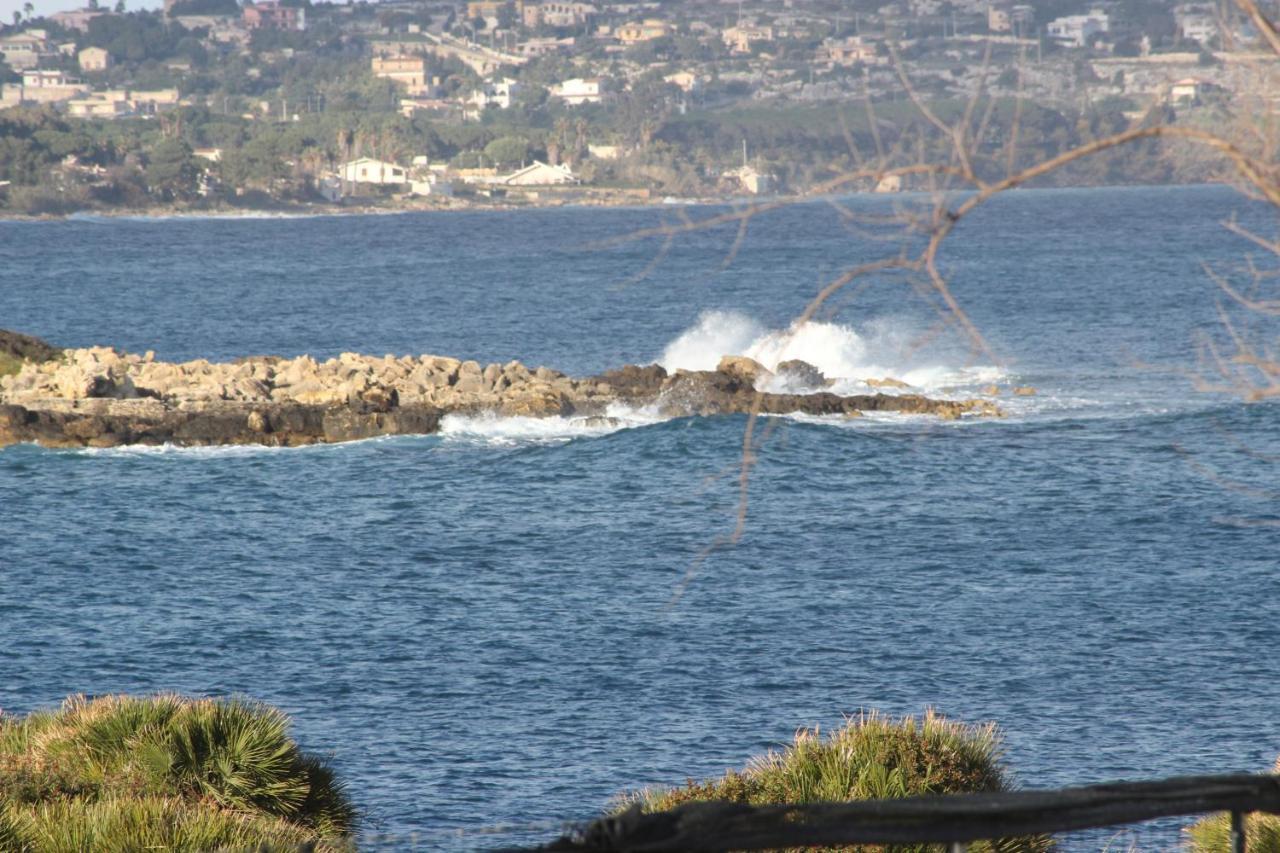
(101,397)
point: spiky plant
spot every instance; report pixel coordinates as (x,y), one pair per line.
(870,757)
(1212,834)
(195,773)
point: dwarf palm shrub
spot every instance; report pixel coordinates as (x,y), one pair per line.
(870,757)
(1212,834)
(147,823)
(122,772)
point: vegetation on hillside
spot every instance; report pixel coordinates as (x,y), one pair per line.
(164,772)
(289,106)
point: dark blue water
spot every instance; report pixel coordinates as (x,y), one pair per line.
(478,626)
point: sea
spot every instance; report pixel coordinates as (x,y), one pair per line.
(499,629)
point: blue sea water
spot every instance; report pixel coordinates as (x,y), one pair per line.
(481,627)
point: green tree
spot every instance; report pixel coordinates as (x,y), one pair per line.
(171,170)
(507,151)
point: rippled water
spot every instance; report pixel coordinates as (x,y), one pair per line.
(478,625)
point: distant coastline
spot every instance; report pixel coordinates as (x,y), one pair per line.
(301,210)
(310,209)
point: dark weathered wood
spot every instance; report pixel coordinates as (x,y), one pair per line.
(960,817)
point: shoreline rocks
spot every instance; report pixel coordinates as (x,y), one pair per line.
(99,397)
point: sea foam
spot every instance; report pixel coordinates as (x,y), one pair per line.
(491,429)
(850,357)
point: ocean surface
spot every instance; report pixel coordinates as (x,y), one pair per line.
(499,628)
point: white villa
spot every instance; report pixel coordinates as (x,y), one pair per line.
(580,91)
(536,174)
(367,170)
(26,49)
(539,174)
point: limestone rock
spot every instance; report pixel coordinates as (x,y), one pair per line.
(801,373)
(888,382)
(100,397)
(745,370)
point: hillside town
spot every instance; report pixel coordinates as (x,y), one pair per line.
(446,102)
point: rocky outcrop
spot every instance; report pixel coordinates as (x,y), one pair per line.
(717,392)
(26,348)
(101,397)
(802,374)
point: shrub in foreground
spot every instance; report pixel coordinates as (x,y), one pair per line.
(163,772)
(870,757)
(1212,834)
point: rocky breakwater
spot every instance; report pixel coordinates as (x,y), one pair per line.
(99,397)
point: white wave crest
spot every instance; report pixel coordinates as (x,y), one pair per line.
(717,333)
(496,430)
(880,351)
(224,451)
(227,215)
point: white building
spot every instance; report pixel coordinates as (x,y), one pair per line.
(1076,30)
(685,81)
(546,46)
(538,174)
(1196,23)
(98,107)
(848,52)
(752,180)
(498,93)
(740,38)
(1191,90)
(431,184)
(605,152)
(1006,18)
(579,90)
(42,79)
(41,87)
(367,170)
(558,14)
(26,50)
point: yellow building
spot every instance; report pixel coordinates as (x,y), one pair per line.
(94,59)
(489,9)
(740,38)
(409,72)
(647,30)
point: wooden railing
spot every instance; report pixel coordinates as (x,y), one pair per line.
(953,820)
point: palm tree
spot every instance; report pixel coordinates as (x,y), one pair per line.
(28,10)
(580,140)
(558,141)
